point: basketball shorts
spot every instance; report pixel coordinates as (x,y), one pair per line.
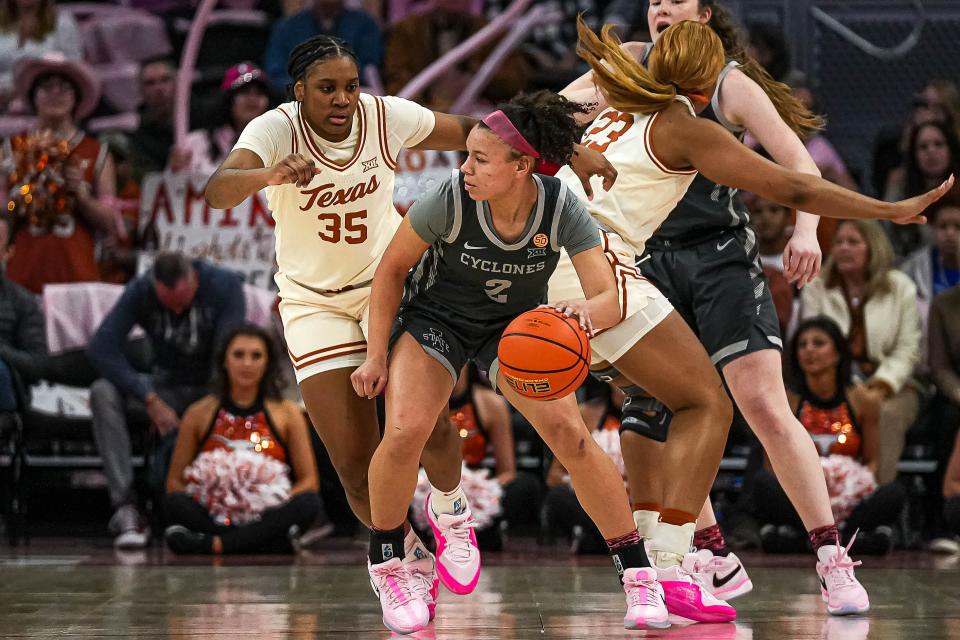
(450,341)
(328,332)
(642,306)
(719,288)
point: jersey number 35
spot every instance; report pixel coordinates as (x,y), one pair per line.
(349,227)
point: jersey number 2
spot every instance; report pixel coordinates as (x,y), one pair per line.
(334,224)
(496,288)
(610,126)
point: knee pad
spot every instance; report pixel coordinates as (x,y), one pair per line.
(646,416)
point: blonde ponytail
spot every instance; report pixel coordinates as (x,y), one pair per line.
(686,59)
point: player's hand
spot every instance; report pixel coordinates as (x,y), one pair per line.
(587,163)
(370,378)
(910,211)
(578,308)
(294,169)
(802,258)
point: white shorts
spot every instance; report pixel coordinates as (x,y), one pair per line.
(642,306)
(330,332)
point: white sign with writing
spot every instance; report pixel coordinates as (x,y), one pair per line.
(175,217)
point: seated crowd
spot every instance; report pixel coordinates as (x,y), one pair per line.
(872,346)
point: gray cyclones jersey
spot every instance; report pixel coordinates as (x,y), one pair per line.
(470,274)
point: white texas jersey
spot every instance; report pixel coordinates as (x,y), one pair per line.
(646,189)
(331,234)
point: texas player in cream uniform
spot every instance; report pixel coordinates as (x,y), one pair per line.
(331,233)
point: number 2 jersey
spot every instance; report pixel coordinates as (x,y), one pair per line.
(331,234)
(646,189)
(472,276)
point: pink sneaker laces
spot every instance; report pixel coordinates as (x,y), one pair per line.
(840,565)
(422,582)
(398,589)
(649,589)
(457,536)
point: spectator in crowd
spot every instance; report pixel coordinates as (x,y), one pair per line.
(768,46)
(876,307)
(936,268)
(938,101)
(243,428)
(186,309)
(246,95)
(933,155)
(23,342)
(118,258)
(29,29)
(483,420)
(53,220)
(824,154)
(153,139)
(944,359)
(772,223)
(842,418)
(419,39)
(324,17)
(550,49)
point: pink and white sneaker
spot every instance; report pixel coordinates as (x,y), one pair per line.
(645,605)
(424,581)
(687,596)
(403,611)
(840,589)
(458,556)
(724,577)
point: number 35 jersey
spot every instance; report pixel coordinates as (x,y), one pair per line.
(646,189)
(470,274)
(331,234)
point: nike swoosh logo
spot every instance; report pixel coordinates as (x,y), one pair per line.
(719,582)
(467,245)
(721,247)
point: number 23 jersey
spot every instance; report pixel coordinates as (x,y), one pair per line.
(331,234)
(646,189)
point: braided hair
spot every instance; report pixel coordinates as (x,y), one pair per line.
(546,120)
(316,49)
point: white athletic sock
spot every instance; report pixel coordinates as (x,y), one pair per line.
(450,502)
(647,522)
(670,543)
(413,547)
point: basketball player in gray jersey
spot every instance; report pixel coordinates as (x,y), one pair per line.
(467,259)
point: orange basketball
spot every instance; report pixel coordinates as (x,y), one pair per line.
(544,355)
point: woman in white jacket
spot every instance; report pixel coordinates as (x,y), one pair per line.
(876,307)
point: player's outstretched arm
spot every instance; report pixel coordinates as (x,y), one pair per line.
(682,140)
(242,174)
(449,133)
(404,251)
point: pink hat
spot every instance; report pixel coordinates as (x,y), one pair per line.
(241,75)
(27,70)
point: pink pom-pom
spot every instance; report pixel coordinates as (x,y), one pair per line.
(848,483)
(236,486)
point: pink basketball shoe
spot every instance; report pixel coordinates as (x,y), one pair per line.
(688,597)
(724,577)
(403,611)
(645,606)
(458,556)
(839,588)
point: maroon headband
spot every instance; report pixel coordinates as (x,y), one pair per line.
(500,124)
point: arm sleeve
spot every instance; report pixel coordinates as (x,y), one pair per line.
(407,121)
(945,376)
(577,231)
(28,353)
(105,350)
(268,136)
(233,306)
(432,215)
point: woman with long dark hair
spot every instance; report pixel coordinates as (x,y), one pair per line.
(243,477)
